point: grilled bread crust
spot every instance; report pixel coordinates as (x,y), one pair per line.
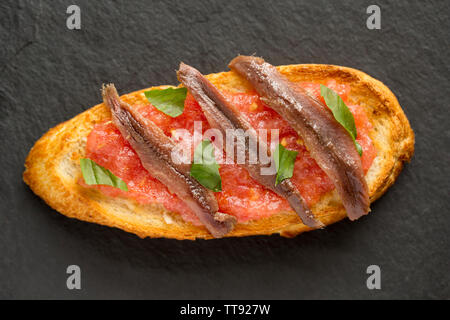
(52,167)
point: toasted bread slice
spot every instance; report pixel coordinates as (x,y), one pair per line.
(52,166)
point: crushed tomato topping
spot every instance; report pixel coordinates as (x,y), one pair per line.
(241,196)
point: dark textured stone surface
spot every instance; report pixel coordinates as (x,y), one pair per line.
(50,73)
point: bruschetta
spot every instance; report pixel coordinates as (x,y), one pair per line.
(342,139)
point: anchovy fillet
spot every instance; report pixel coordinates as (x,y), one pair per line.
(222,116)
(327,141)
(154,149)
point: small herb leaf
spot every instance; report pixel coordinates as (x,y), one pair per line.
(170,100)
(340,112)
(358,148)
(205,168)
(95,174)
(284,163)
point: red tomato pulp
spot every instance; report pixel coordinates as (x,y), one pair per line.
(241,196)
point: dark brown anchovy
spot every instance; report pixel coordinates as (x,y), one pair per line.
(327,141)
(154,149)
(222,116)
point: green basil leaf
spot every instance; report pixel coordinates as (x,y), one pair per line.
(205,168)
(358,148)
(170,100)
(94,174)
(284,163)
(340,112)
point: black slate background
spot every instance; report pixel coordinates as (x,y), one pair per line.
(49,74)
